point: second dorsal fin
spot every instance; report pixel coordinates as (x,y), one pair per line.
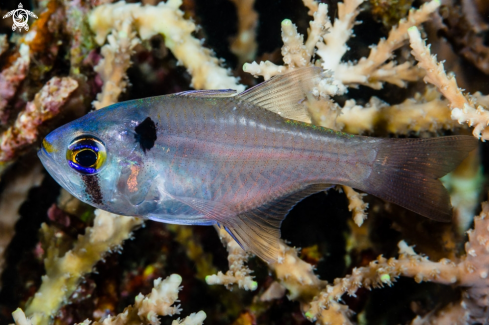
(284,94)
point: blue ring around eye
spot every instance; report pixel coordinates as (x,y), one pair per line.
(84,145)
(81,169)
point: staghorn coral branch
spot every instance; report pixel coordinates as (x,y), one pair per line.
(475,266)
(145,310)
(238,272)
(312,5)
(3,43)
(424,112)
(371,71)
(11,77)
(46,104)
(265,69)
(463,110)
(357,119)
(435,73)
(17,187)
(167,19)
(192,319)
(317,28)
(244,45)
(471,273)
(116,60)
(334,46)
(63,274)
(357,206)
(294,51)
(296,275)
(453,314)
(383,272)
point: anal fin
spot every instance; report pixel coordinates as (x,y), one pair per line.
(258,230)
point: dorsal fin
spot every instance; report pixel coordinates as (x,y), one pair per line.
(284,94)
(207,93)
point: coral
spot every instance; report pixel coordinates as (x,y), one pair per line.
(145,310)
(238,273)
(331,46)
(81,38)
(470,273)
(12,197)
(244,44)
(274,291)
(3,44)
(465,184)
(464,27)
(356,205)
(463,109)
(115,62)
(46,104)
(168,20)
(11,77)
(63,274)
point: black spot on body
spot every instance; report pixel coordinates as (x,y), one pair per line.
(146,134)
(92,188)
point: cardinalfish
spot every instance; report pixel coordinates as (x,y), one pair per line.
(240,161)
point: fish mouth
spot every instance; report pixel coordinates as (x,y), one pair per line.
(51,167)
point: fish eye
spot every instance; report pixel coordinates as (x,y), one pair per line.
(86,154)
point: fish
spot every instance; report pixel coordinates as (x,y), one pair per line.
(240,161)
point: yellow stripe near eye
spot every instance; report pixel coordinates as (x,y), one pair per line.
(100,159)
(48,146)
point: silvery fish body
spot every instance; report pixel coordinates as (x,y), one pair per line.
(208,157)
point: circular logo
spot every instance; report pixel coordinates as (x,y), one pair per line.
(20,18)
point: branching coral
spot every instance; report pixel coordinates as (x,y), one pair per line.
(46,104)
(116,60)
(470,273)
(462,24)
(145,310)
(238,273)
(168,20)
(464,109)
(11,199)
(3,44)
(356,205)
(64,273)
(244,44)
(11,77)
(330,40)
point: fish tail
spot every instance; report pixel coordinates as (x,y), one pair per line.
(407,171)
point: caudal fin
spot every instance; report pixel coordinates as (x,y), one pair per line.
(407,171)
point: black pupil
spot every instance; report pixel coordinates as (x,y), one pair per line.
(86,158)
